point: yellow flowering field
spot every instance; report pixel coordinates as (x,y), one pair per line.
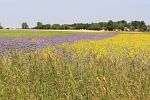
(122,45)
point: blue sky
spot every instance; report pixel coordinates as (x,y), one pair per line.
(14,12)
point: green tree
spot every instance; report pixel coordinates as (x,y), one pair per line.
(135,24)
(77,26)
(47,26)
(39,25)
(64,27)
(56,26)
(110,25)
(95,26)
(25,25)
(122,24)
(143,26)
(148,28)
(103,25)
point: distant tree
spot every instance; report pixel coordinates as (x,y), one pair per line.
(122,24)
(110,25)
(143,26)
(138,25)
(39,25)
(25,25)
(95,26)
(132,28)
(77,26)
(148,28)
(115,25)
(56,26)
(47,26)
(1,27)
(135,24)
(103,25)
(64,27)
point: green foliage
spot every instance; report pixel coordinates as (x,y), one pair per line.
(25,25)
(56,26)
(95,26)
(148,28)
(47,26)
(121,25)
(65,27)
(135,24)
(80,26)
(39,25)
(103,25)
(138,25)
(110,25)
(143,26)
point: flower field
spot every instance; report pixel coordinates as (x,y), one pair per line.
(76,67)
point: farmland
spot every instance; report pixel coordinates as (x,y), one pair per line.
(84,66)
(42,33)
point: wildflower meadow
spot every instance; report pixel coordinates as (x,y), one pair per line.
(108,66)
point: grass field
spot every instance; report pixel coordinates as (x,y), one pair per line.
(43,33)
(116,68)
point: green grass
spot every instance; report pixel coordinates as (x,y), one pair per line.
(43,75)
(42,33)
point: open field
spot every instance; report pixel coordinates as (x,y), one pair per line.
(43,33)
(86,69)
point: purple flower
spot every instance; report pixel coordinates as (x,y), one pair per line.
(31,44)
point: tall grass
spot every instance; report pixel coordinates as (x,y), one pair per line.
(117,68)
(54,74)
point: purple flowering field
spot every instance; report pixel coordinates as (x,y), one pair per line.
(18,44)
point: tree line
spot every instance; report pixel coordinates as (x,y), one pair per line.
(108,26)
